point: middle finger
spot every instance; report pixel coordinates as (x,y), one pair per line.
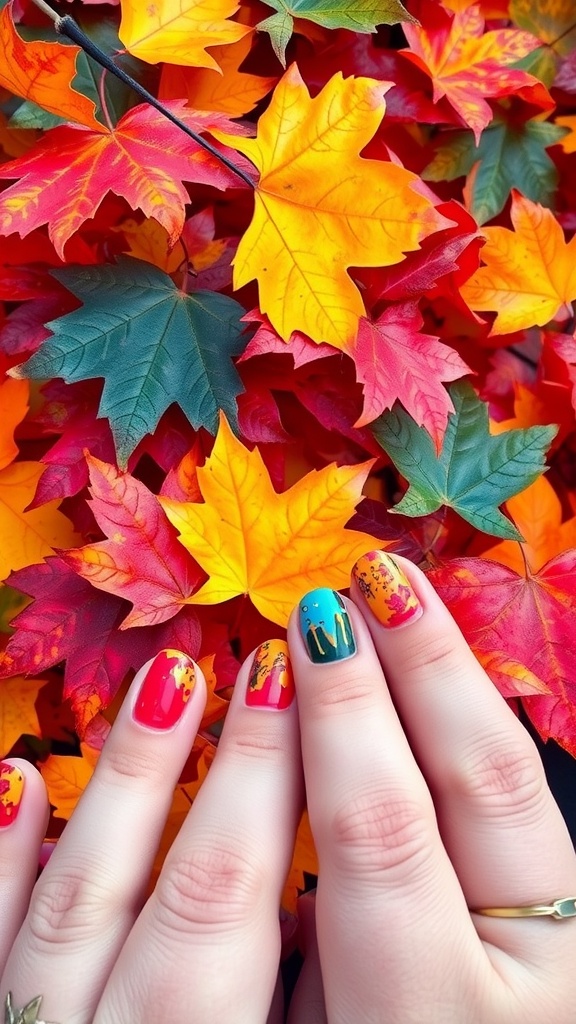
(388,896)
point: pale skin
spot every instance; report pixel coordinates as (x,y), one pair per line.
(426,797)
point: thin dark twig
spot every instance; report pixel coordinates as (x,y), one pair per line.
(66,26)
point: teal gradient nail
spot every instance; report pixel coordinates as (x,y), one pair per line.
(325,626)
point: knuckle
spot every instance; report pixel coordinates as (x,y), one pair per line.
(436,652)
(505,776)
(69,908)
(133,769)
(383,834)
(209,887)
(340,690)
(259,746)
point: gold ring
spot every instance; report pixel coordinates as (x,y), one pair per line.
(27,1015)
(560,910)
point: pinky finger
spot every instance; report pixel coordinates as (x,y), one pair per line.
(24,812)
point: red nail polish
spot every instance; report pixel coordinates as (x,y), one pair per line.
(11,789)
(165,691)
(271,683)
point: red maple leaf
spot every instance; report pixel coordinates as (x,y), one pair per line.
(395,361)
(523,630)
(145,158)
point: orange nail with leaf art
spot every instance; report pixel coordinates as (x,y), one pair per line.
(271,683)
(386,590)
(11,790)
(165,691)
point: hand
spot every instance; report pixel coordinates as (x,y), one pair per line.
(426,797)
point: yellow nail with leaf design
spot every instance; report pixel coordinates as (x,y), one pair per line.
(386,590)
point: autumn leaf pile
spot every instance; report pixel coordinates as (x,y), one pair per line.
(222,382)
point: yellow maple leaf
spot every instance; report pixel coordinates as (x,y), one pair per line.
(321,208)
(530,273)
(273,547)
(178,31)
(17,712)
(66,779)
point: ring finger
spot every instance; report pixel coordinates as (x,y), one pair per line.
(494,807)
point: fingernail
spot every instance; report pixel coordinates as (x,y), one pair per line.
(11,790)
(271,683)
(386,590)
(325,626)
(165,691)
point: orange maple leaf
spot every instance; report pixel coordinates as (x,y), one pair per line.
(232,92)
(568,143)
(321,208)
(273,547)
(18,715)
(43,72)
(530,273)
(467,64)
(178,31)
(537,512)
(33,534)
(66,778)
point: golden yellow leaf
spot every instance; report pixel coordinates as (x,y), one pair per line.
(178,31)
(17,712)
(13,408)
(33,534)
(321,208)
(273,547)
(530,273)
(66,779)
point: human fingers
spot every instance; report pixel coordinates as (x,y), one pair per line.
(388,902)
(499,822)
(92,888)
(207,944)
(24,815)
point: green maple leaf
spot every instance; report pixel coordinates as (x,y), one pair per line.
(355,15)
(475,471)
(508,156)
(152,343)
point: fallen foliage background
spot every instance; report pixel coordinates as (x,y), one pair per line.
(218,389)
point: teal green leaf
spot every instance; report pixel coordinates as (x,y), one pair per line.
(152,344)
(475,471)
(508,156)
(355,15)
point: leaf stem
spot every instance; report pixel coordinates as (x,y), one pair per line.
(66,26)
(102,95)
